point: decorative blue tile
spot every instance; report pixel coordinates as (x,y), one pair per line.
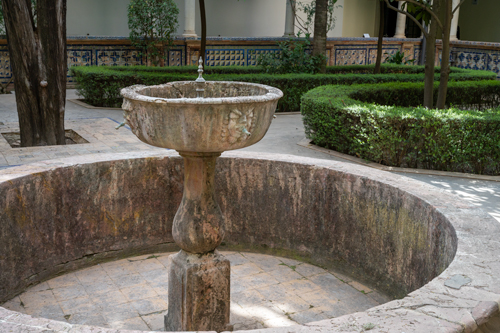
(351,55)
(254,53)
(5,69)
(386,52)
(225,57)
(107,56)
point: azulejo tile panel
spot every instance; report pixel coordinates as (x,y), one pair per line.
(5,69)
(386,52)
(494,63)
(175,57)
(80,56)
(254,53)
(117,57)
(194,55)
(416,55)
(473,59)
(225,57)
(351,55)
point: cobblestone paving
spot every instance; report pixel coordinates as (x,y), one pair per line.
(266,291)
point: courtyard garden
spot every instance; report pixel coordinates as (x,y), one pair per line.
(377,117)
(225,199)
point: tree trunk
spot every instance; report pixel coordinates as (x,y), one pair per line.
(162,55)
(430,59)
(320,26)
(203,31)
(38,59)
(445,58)
(380,39)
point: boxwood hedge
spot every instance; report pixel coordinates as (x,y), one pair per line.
(383,123)
(100,85)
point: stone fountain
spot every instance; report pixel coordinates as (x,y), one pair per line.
(200,120)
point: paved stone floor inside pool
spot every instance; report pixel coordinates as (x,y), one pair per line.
(266,291)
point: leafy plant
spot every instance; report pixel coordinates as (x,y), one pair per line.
(398,58)
(152,24)
(294,57)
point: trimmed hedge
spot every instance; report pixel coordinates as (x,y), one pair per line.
(100,86)
(379,124)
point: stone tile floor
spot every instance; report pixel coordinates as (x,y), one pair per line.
(266,291)
(100,133)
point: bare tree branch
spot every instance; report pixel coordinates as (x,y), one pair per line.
(434,16)
(408,15)
(458,6)
(297,19)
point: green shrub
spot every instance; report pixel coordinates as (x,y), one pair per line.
(100,86)
(398,58)
(344,118)
(294,56)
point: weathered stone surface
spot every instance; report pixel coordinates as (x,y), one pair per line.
(231,115)
(68,218)
(198,292)
(380,226)
(484,311)
(199,225)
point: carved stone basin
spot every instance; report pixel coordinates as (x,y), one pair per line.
(232,115)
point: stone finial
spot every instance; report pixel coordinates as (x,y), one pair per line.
(200,81)
(200,71)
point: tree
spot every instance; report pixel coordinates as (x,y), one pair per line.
(152,24)
(36,36)
(431,12)
(320,26)
(380,39)
(324,21)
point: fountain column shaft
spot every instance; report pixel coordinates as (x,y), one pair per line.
(199,225)
(199,277)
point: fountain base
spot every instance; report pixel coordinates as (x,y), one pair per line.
(199,290)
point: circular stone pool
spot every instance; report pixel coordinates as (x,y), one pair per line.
(399,235)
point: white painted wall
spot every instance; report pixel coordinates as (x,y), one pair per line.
(227,18)
(97,18)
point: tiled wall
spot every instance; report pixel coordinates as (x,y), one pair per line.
(485,58)
(245,51)
(115,55)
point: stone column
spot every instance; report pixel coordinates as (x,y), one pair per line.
(454,22)
(199,277)
(400,24)
(189,18)
(289,19)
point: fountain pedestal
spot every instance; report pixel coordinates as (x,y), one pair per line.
(199,277)
(198,292)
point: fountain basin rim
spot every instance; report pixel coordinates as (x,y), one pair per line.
(133,93)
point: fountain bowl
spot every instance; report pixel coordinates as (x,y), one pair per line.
(231,115)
